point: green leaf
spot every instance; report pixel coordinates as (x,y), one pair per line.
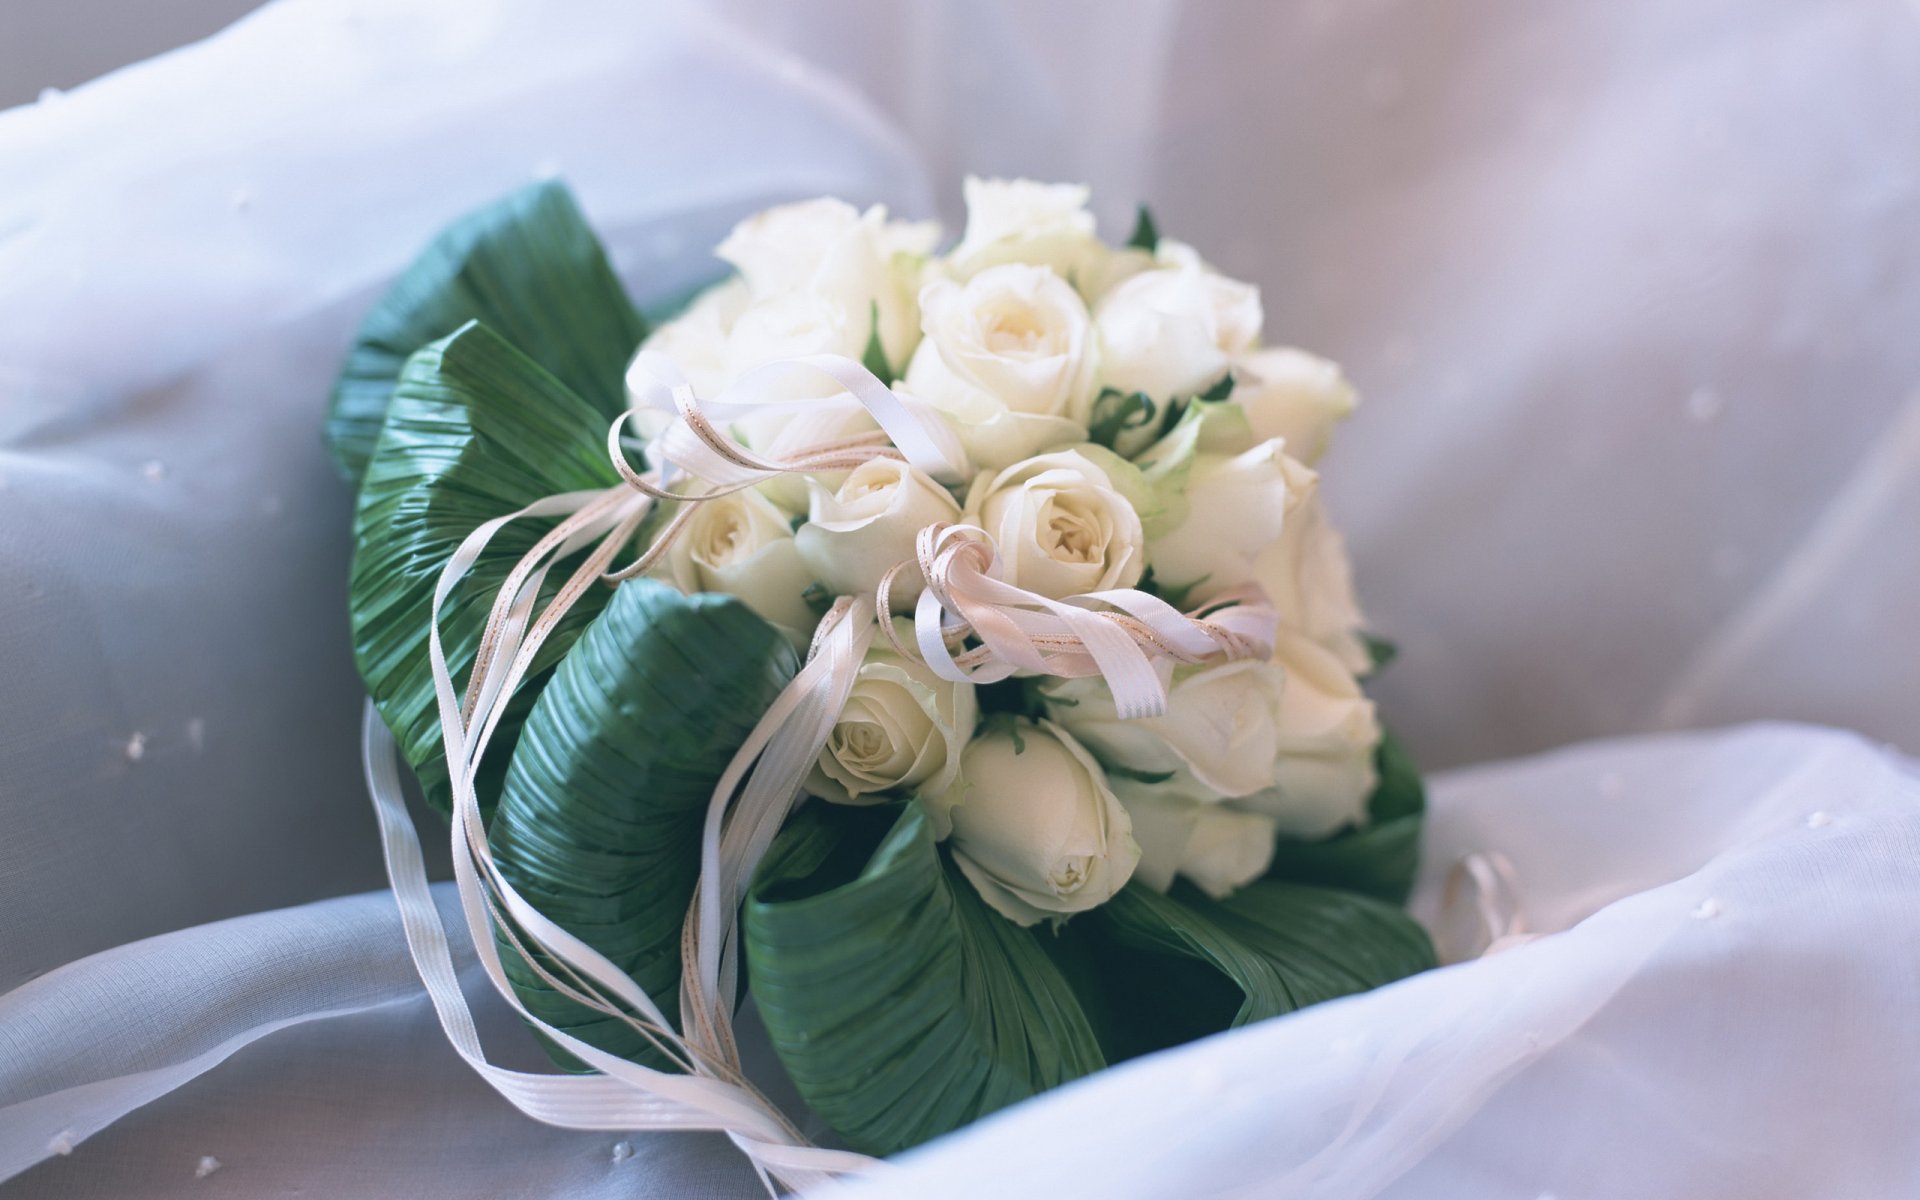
(1380,651)
(1145,235)
(1379,858)
(476,430)
(902,1006)
(528,266)
(600,816)
(1203,426)
(1114,769)
(1217,391)
(1115,412)
(1196,966)
(875,356)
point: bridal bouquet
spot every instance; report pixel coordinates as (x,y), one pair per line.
(949,650)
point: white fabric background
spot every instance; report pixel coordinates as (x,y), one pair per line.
(1629,289)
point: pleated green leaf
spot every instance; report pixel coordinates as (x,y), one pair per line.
(1195,966)
(1379,858)
(902,1006)
(600,815)
(531,269)
(476,430)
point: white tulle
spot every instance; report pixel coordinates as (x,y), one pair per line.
(1629,292)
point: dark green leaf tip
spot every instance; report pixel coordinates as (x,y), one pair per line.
(875,358)
(1219,390)
(817,597)
(1137,776)
(1115,412)
(1146,235)
(530,267)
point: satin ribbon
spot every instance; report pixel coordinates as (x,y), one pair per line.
(1486,880)
(1133,642)
(1131,638)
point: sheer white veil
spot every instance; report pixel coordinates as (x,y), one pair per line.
(1630,293)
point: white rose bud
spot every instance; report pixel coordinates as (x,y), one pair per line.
(1010,357)
(1060,525)
(902,731)
(1307,576)
(823,277)
(1237,506)
(1034,825)
(1220,849)
(742,544)
(1173,331)
(856,532)
(1328,734)
(1292,395)
(1220,736)
(1020,221)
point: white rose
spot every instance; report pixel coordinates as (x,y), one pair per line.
(1220,849)
(1328,733)
(855,533)
(902,731)
(1220,736)
(1236,508)
(791,325)
(696,341)
(1307,576)
(1174,331)
(1020,221)
(1293,395)
(1034,825)
(1010,357)
(823,277)
(742,544)
(1060,524)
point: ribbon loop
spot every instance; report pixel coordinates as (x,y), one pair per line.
(1130,638)
(914,430)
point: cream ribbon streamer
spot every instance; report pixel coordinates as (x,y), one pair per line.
(1486,880)
(1129,637)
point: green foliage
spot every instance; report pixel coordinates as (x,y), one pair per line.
(529,267)
(1379,858)
(874,358)
(1145,235)
(599,818)
(1380,651)
(1115,412)
(475,430)
(1195,966)
(902,1006)
(1217,391)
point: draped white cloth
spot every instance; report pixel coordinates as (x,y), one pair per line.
(1629,290)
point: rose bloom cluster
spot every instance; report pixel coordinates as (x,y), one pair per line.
(1128,429)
